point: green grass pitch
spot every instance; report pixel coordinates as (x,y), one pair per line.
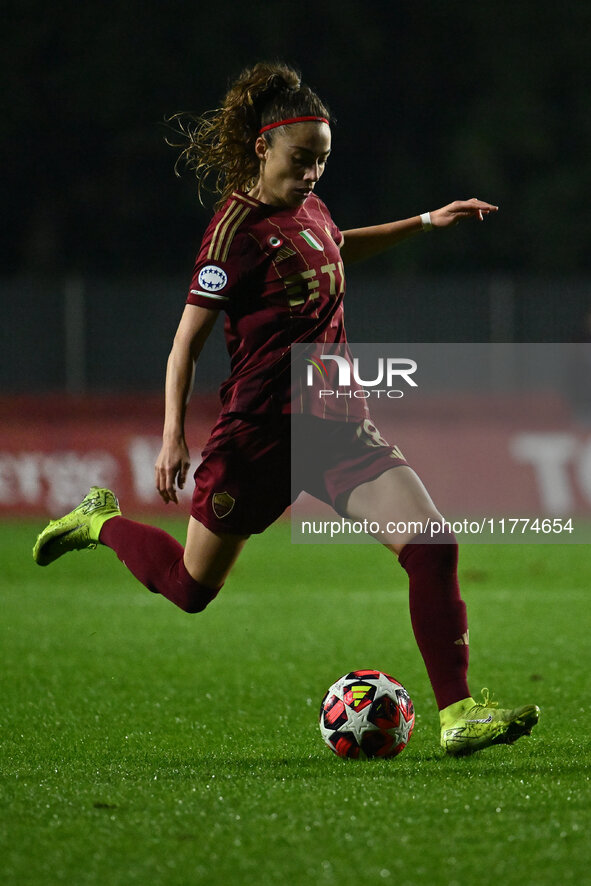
(142,745)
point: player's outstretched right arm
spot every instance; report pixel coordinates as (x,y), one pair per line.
(174,461)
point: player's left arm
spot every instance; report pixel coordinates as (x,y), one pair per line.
(361,243)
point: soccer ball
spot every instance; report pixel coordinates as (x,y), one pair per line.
(367,714)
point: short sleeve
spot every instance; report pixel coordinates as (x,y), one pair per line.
(212,284)
(220,270)
(330,227)
(215,280)
(336,234)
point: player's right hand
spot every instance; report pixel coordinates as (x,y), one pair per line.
(171,470)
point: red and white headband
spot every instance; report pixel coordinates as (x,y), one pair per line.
(292,120)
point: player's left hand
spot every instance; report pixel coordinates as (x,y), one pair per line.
(459,209)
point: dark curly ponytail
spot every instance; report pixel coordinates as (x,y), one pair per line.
(219,145)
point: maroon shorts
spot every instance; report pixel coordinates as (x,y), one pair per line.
(247,477)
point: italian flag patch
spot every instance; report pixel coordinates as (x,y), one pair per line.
(311,240)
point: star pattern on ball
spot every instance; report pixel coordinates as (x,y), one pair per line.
(367,713)
(357,722)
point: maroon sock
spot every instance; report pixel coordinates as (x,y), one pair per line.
(156,559)
(438,615)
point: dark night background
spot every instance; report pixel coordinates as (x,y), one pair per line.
(434,101)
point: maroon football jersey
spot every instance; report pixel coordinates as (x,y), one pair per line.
(278,275)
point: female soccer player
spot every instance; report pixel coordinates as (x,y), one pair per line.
(272,259)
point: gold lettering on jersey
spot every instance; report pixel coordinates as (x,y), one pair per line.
(302,287)
(331,270)
(342,277)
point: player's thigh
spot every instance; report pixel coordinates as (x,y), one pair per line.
(209,556)
(398,502)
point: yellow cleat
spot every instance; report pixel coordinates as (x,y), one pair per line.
(468,726)
(79,529)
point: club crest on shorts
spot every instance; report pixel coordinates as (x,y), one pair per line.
(222,504)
